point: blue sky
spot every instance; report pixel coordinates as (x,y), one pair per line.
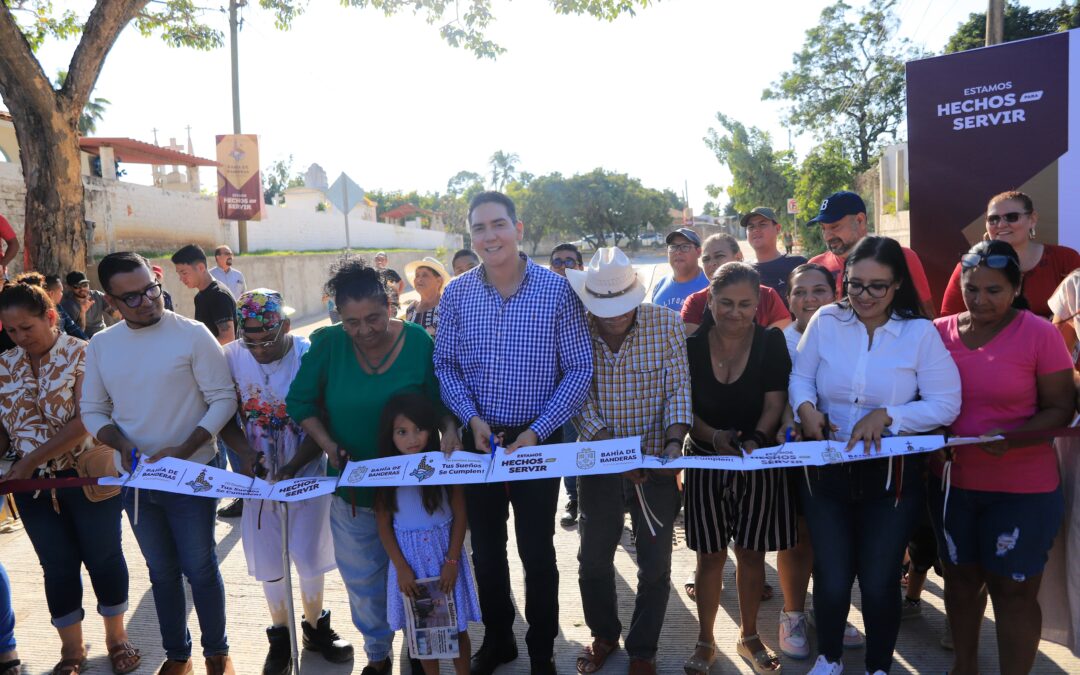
(396,108)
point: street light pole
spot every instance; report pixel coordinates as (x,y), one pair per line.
(234,5)
(995,22)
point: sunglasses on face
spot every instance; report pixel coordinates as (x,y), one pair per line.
(993,261)
(1010,217)
(133,300)
(876,290)
(263,344)
(568,263)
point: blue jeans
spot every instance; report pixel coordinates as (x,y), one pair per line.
(176,537)
(859,530)
(7,614)
(224,452)
(362,561)
(83,532)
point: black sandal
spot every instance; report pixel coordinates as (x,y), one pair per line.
(372,670)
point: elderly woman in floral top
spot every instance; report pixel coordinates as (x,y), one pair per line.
(69,527)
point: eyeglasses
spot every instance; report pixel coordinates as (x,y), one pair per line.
(266,344)
(568,263)
(133,300)
(1010,217)
(680,248)
(994,261)
(876,290)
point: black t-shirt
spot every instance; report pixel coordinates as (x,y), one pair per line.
(737,405)
(774,273)
(214,305)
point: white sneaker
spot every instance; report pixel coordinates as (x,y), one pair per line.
(793,641)
(824,667)
(853,639)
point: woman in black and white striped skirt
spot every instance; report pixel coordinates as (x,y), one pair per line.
(739,374)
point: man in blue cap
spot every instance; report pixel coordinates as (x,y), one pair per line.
(843,223)
(684,250)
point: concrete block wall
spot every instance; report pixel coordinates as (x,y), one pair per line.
(288,228)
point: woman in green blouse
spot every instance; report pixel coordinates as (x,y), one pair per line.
(351,370)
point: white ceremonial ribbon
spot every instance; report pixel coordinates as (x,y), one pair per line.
(616,455)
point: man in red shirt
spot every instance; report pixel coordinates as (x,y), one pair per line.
(715,251)
(843,224)
(7,233)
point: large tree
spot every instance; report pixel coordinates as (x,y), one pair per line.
(1020,22)
(825,170)
(46,118)
(760,175)
(606,206)
(279,177)
(848,79)
(503,168)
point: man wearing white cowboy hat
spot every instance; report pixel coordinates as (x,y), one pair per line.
(428,277)
(641,387)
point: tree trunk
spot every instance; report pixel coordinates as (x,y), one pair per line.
(55,226)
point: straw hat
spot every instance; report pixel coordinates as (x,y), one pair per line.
(429,262)
(609,285)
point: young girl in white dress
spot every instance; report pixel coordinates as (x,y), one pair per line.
(423,527)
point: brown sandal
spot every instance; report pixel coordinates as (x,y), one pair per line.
(642,667)
(124,657)
(69,666)
(594,656)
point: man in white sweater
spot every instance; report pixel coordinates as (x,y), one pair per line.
(158,385)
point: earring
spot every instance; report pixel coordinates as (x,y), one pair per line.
(1031,233)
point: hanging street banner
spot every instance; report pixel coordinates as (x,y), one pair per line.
(985,121)
(239,183)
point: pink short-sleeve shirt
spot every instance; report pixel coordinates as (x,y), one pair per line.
(998,385)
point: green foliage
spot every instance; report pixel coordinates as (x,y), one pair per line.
(674,199)
(825,170)
(503,168)
(604,205)
(848,79)
(93,112)
(1020,22)
(761,176)
(180,23)
(463,182)
(277,178)
(40,21)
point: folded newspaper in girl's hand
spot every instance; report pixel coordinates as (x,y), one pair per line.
(431,625)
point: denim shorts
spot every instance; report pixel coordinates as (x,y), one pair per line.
(1006,533)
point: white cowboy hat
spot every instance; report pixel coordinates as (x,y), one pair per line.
(429,262)
(609,285)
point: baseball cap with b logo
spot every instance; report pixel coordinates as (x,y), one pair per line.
(837,205)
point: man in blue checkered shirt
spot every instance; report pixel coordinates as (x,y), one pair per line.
(514,362)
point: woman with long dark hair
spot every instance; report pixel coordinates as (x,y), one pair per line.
(868,366)
(997,506)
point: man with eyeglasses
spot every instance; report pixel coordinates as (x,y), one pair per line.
(568,257)
(157,385)
(843,223)
(85,305)
(686,278)
(263,363)
(762,232)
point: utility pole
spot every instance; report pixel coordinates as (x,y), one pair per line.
(995,22)
(234,5)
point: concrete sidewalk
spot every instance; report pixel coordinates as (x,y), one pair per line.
(917,651)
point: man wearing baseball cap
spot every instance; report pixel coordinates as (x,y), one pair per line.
(843,224)
(629,339)
(762,232)
(85,305)
(683,249)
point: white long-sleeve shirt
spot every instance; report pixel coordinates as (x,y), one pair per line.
(907,370)
(158,383)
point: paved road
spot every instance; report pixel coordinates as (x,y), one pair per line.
(917,651)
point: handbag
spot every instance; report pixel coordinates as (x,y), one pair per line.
(96,462)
